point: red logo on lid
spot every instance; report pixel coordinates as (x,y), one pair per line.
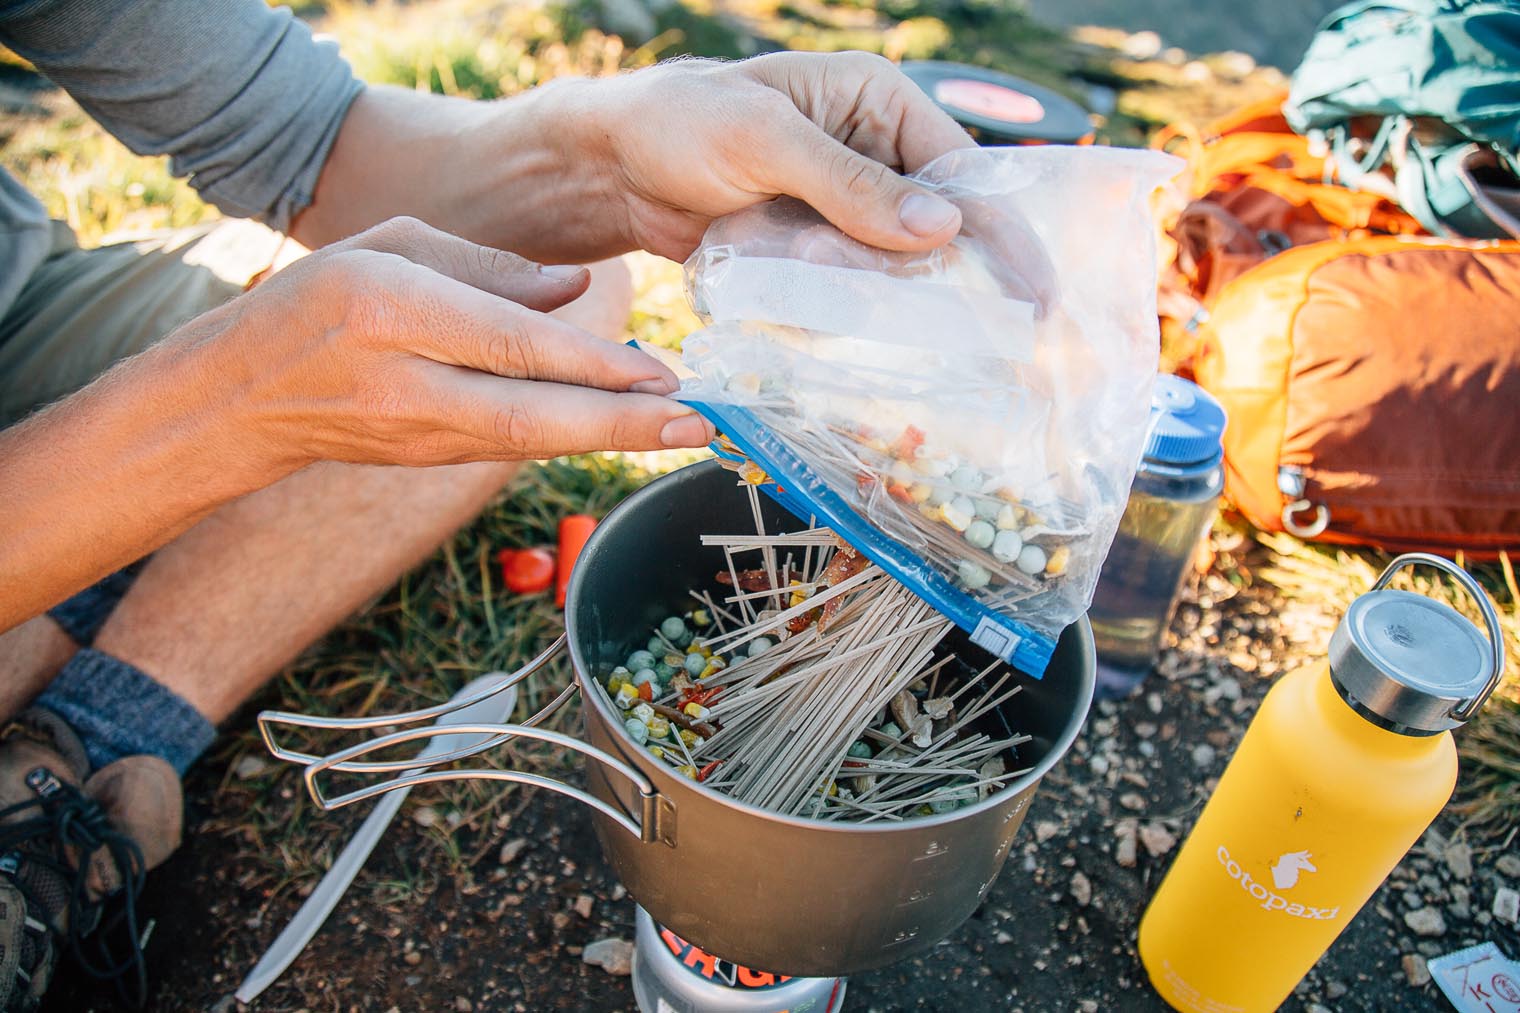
(991,100)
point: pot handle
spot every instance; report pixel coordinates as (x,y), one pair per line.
(656,820)
(268,721)
(655,811)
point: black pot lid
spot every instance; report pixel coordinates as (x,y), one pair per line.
(998,107)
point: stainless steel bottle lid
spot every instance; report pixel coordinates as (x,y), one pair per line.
(1412,664)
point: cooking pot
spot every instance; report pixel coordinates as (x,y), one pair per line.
(791,895)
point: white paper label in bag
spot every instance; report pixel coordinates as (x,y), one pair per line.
(842,300)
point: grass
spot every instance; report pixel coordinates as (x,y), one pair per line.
(449,621)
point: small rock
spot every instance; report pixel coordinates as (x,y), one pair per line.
(1099,765)
(1315,1007)
(463,1005)
(1204,755)
(615,956)
(1508,865)
(1335,990)
(560,920)
(1425,921)
(425,816)
(1081,889)
(1507,905)
(1146,748)
(1145,729)
(226,1004)
(1045,830)
(250,767)
(619,891)
(1088,1006)
(411,958)
(1158,840)
(1415,971)
(511,849)
(1132,800)
(1003,937)
(583,905)
(1229,688)
(1127,850)
(1153,702)
(1459,860)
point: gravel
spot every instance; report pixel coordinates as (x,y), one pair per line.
(1507,905)
(1426,921)
(615,956)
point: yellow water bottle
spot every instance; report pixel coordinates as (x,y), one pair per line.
(1343,768)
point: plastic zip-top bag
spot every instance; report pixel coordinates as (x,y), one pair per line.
(969,418)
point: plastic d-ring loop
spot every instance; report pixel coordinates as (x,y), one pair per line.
(1465,711)
(1314,528)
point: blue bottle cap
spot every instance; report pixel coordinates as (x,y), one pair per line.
(1186,424)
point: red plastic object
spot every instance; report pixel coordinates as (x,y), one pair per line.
(573,532)
(526,571)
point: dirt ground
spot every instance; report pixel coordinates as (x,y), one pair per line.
(1055,933)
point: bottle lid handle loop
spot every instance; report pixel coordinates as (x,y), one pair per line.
(1466,710)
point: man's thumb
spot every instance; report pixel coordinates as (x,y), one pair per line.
(859,195)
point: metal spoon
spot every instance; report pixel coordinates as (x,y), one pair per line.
(290,942)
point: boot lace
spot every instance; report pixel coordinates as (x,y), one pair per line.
(62,821)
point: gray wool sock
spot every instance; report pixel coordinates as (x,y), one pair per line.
(118,710)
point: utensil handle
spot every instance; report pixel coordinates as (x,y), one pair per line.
(648,828)
(268,721)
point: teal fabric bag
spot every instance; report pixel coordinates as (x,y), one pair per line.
(1430,89)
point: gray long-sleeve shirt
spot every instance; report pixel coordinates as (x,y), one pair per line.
(240,97)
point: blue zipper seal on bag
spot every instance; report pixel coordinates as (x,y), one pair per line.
(796,487)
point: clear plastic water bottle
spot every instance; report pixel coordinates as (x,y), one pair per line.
(1346,763)
(1171,505)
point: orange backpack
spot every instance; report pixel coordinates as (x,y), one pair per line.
(1371,374)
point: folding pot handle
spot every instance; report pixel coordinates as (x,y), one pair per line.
(655,812)
(268,721)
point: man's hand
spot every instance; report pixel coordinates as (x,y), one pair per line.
(578,170)
(405,345)
(691,140)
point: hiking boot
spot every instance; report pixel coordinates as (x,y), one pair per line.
(73,854)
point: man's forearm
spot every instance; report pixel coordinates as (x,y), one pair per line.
(113,472)
(505,174)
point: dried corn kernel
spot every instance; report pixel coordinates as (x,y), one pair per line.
(687,771)
(626,695)
(657,752)
(1060,559)
(690,737)
(958,513)
(701,619)
(659,727)
(695,711)
(799,595)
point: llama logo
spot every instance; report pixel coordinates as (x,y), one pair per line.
(1286,869)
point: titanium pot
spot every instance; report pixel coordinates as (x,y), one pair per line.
(790,895)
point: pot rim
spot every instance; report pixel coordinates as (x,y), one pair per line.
(651,767)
